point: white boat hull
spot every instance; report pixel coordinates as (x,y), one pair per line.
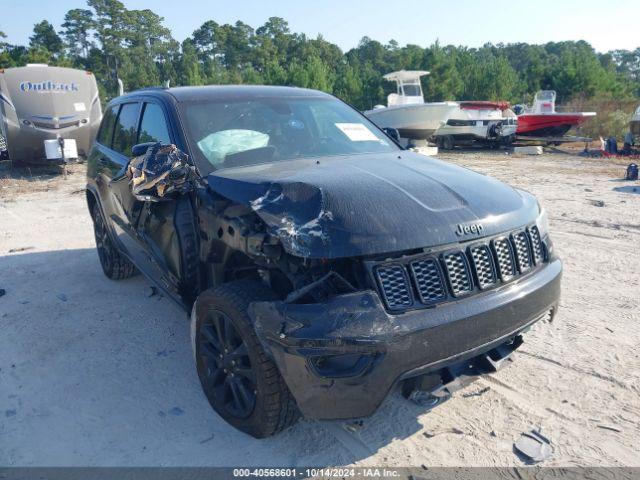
(413,121)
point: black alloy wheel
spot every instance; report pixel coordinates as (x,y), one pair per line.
(238,376)
(229,374)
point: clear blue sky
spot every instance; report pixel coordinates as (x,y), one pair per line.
(606,25)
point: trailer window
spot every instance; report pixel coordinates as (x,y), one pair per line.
(106,127)
(126,128)
(153,127)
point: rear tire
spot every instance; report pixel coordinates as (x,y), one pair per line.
(241,383)
(114,265)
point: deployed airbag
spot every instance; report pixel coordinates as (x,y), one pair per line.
(217,146)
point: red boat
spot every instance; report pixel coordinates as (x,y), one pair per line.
(542,120)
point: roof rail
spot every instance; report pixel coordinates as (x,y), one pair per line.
(151,88)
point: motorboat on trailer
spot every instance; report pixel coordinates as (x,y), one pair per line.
(634,124)
(406,110)
(542,120)
(481,122)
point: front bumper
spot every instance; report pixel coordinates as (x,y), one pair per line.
(341,358)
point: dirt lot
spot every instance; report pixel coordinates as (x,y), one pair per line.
(96,372)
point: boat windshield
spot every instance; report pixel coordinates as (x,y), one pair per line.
(546,96)
(234,133)
(412,90)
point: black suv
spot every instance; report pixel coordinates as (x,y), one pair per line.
(323,264)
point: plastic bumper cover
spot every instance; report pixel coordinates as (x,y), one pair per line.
(341,358)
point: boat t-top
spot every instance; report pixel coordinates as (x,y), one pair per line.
(406,109)
(541,119)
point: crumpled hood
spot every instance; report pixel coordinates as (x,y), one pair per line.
(334,207)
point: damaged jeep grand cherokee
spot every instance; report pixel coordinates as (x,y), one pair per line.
(323,265)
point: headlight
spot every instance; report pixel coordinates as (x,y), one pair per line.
(543,223)
(543,226)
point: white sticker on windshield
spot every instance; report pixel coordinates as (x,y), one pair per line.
(357,132)
(80,107)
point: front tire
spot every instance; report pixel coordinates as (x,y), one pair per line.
(240,381)
(114,265)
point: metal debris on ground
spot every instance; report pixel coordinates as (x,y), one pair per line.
(609,427)
(597,203)
(20,249)
(62,297)
(2,292)
(482,391)
(152,291)
(454,430)
(533,446)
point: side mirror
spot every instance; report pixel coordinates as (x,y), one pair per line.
(393,133)
(160,172)
(141,148)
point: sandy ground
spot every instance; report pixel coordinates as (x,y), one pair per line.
(96,372)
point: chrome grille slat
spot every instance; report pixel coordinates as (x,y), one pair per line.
(484,267)
(458,273)
(428,280)
(395,286)
(523,255)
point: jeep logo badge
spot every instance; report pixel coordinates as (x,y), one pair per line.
(474,229)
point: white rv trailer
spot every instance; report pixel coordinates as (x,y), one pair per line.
(41,104)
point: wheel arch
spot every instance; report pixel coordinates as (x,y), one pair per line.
(91,197)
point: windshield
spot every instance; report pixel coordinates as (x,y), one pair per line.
(233,133)
(412,90)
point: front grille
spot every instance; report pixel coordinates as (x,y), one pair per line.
(458,273)
(53,126)
(506,263)
(428,280)
(484,266)
(536,244)
(523,254)
(395,286)
(425,280)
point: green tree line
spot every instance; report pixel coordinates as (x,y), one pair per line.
(137,47)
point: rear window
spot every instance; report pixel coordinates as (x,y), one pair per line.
(106,127)
(126,128)
(153,127)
